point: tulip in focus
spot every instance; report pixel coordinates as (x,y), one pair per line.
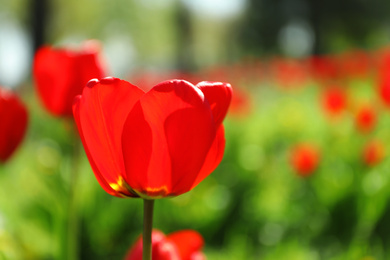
(180,245)
(61,74)
(373,153)
(366,119)
(155,144)
(304,159)
(13,118)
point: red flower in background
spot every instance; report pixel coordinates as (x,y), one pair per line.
(13,122)
(304,159)
(355,63)
(384,76)
(241,105)
(180,245)
(154,144)
(323,68)
(366,119)
(334,100)
(288,73)
(384,90)
(61,74)
(373,153)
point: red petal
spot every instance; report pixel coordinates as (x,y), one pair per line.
(197,256)
(214,156)
(135,251)
(85,67)
(100,115)
(60,75)
(53,74)
(13,117)
(100,178)
(219,96)
(161,248)
(188,242)
(88,67)
(171,131)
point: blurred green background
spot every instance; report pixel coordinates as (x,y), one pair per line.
(255,205)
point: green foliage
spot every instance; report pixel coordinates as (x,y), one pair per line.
(253,206)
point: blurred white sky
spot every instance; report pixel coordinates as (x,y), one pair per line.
(15,53)
(219,9)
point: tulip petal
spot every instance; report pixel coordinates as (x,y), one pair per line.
(197,256)
(172,128)
(88,67)
(14,117)
(137,148)
(53,73)
(85,67)
(219,96)
(214,156)
(100,114)
(188,242)
(162,249)
(61,74)
(100,178)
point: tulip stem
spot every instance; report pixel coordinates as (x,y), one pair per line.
(147,232)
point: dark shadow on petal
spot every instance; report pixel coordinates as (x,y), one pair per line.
(189,133)
(137,140)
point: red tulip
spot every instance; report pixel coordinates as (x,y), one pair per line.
(373,153)
(334,101)
(355,63)
(180,245)
(288,73)
(323,68)
(241,105)
(61,74)
(384,89)
(384,76)
(366,119)
(154,144)
(13,118)
(304,159)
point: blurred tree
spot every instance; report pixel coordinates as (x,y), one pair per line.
(184,38)
(38,20)
(354,21)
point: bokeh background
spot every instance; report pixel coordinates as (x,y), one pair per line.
(302,73)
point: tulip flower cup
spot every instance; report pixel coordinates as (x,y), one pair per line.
(154,144)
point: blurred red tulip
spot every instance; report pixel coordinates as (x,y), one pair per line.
(355,63)
(288,73)
(334,101)
(382,61)
(13,118)
(304,159)
(154,144)
(241,105)
(61,74)
(384,89)
(384,76)
(373,153)
(323,68)
(180,245)
(366,119)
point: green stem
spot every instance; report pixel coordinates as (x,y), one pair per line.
(147,233)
